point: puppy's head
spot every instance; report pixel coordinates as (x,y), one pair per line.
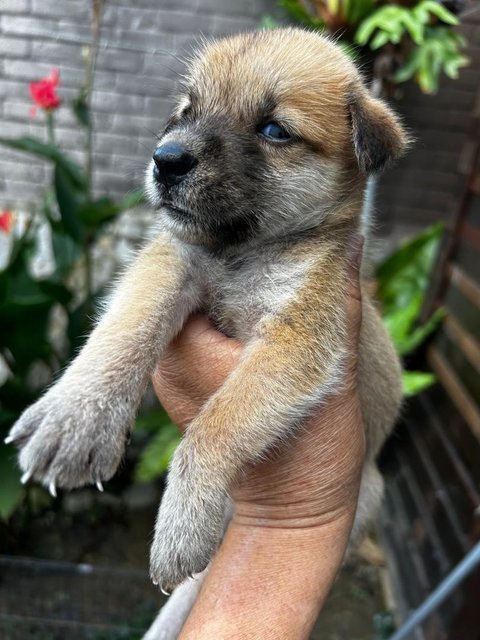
(273,131)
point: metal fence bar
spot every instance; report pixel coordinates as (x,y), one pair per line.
(444,589)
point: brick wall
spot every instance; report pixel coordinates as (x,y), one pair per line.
(137,71)
(138,66)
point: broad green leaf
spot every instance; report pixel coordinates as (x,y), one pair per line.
(381,38)
(56,291)
(153,421)
(66,252)
(11,491)
(95,213)
(438,10)
(267,22)
(419,334)
(408,269)
(298,12)
(156,456)
(70,199)
(416,381)
(80,109)
(50,152)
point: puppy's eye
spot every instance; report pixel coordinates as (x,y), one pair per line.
(274,131)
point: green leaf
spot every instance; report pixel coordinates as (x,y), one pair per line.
(94,214)
(56,291)
(156,456)
(49,152)
(11,491)
(419,334)
(66,252)
(268,22)
(299,13)
(407,271)
(416,381)
(153,421)
(403,280)
(81,110)
(438,10)
(70,200)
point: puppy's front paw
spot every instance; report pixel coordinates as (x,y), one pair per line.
(71,436)
(188,530)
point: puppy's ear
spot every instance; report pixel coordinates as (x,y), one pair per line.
(378,136)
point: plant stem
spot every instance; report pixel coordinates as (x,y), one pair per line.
(50,127)
(96,23)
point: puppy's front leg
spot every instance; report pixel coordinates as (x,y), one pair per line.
(76,433)
(291,364)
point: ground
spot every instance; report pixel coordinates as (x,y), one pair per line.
(108,531)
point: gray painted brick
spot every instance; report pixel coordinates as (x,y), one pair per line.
(116,102)
(27,26)
(17,110)
(14,47)
(157,107)
(14,6)
(28,70)
(177,22)
(142,85)
(240,9)
(48,50)
(73,10)
(112,60)
(21,170)
(226,25)
(151,40)
(29,190)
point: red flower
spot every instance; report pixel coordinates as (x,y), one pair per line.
(6,220)
(43,92)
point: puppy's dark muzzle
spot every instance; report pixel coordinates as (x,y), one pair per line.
(173,162)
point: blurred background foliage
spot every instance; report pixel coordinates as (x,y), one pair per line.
(396,41)
(44,319)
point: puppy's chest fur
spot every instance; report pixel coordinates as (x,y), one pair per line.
(240,290)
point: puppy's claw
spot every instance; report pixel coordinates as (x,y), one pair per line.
(9,439)
(99,486)
(192,577)
(164,591)
(52,489)
(26,477)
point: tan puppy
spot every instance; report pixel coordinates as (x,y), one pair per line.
(258,181)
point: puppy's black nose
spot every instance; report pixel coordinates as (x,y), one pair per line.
(173,162)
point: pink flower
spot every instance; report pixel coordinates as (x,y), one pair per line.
(6,220)
(43,92)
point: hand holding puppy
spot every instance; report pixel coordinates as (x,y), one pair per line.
(293,511)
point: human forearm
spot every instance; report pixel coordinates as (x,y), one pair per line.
(269,582)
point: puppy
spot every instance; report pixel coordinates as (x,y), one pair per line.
(258,183)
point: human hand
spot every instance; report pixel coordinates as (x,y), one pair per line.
(313,478)
(293,511)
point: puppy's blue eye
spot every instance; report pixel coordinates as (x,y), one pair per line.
(274,131)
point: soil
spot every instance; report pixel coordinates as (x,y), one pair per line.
(101,530)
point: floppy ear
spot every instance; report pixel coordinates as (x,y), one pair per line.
(378,136)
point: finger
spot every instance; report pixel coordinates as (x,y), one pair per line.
(200,338)
(197,362)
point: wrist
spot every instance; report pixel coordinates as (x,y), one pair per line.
(269,582)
